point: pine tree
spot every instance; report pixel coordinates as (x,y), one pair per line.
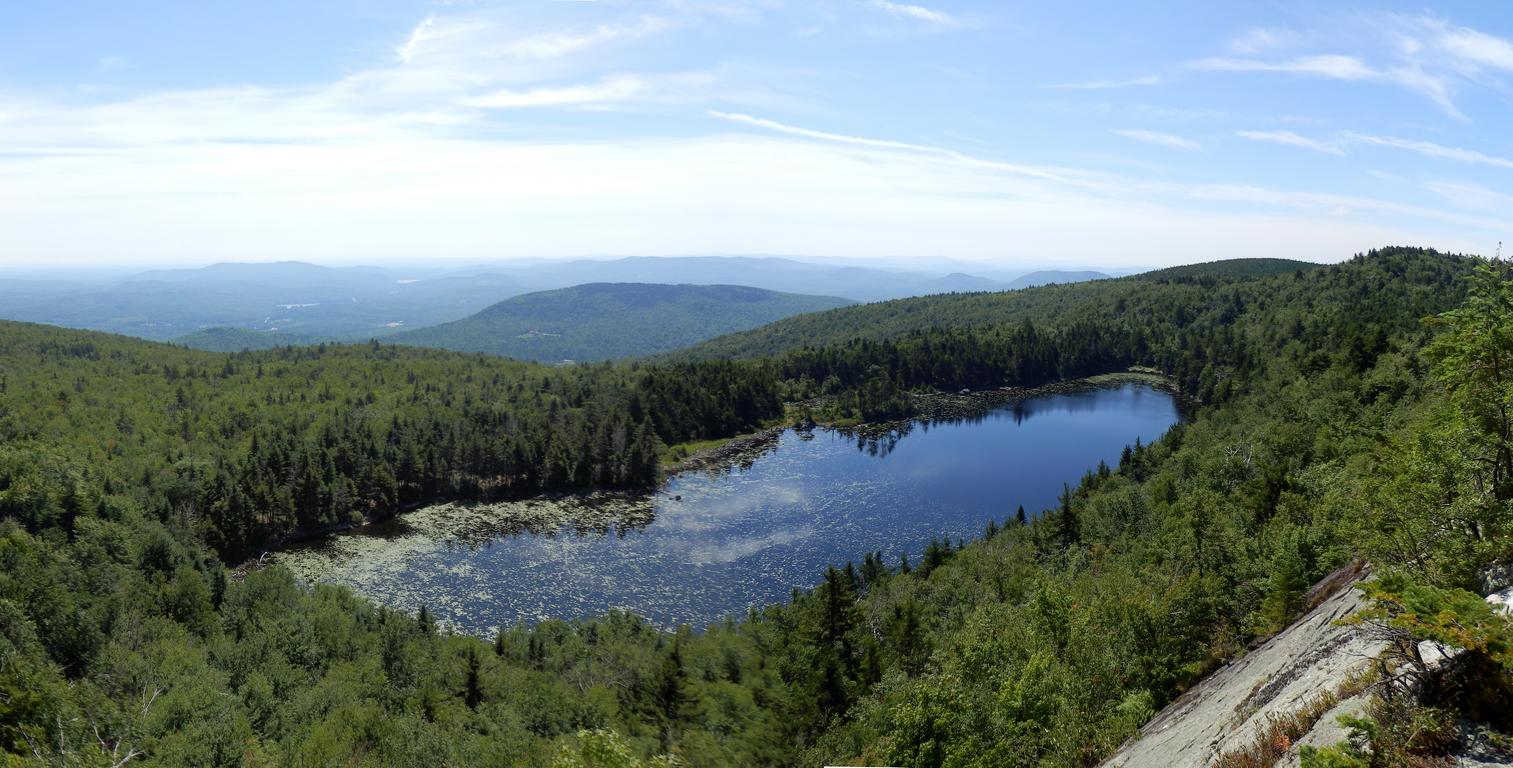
(1068,526)
(671,691)
(473,688)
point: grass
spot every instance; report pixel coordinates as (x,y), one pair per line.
(673,454)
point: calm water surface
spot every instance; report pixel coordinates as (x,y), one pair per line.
(720,542)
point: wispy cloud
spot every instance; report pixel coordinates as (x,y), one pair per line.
(1472,197)
(1105,85)
(610,90)
(1335,67)
(550,45)
(1167,140)
(917,12)
(1431,149)
(1261,39)
(606,92)
(1338,143)
(1469,46)
(417,36)
(429,151)
(1423,54)
(1288,138)
(864,141)
(1345,68)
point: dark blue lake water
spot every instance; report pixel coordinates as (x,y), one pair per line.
(750,534)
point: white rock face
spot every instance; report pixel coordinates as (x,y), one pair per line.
(1502,599)
(1229,708)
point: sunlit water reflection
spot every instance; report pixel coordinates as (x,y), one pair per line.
(711,544)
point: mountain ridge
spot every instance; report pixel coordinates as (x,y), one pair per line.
(599,321)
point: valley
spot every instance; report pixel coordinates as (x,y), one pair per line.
(134,474)
(756,384)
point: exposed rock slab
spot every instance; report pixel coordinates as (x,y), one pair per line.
(1230,708)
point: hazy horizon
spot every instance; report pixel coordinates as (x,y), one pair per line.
(926,265)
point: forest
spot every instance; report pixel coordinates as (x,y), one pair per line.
(1358,411)
(608,321)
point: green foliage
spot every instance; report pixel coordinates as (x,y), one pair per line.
(604,749)
(128,471)
(1451,617)
(238,339)
(1337,756)
(1394,733)
(604,321)
(248,449)
(1231,268)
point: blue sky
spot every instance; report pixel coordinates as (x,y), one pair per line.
(1079,133)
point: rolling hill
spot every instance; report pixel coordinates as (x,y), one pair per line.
(1088,300)
(1231,268)
(602,321)
(223,339)
(1054,277)
(298,301)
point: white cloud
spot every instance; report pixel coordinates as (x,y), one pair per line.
(1472,197)
(475,200)
(1262,39)
(1160,139)
(419,156)
(417,36)
(1469,46)
(1431,149)
(1346,139)
(1422,54)
(1102,85)
(863,141)
(551,45)
(610,90)
(1288,138)
(605,92)
(917,12)
(1346,68)
(1335,67)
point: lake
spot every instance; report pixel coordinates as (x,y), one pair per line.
(710,544)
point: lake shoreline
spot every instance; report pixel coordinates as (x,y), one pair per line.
(738,450)
(762,517)
(931,407)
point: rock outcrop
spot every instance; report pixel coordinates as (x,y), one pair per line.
(1303,674)
(1227,711)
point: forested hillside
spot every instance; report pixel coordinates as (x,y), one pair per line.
(1103,301)
(1336,424)
(237,339)
(245,449)
(604,321)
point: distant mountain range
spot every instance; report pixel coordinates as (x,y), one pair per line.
(293,302)
(601,321)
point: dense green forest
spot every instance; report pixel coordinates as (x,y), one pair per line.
(1104,302)
(1336,424)
(605,321)
(237,339)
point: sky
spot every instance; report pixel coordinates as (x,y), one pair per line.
(1011,133)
